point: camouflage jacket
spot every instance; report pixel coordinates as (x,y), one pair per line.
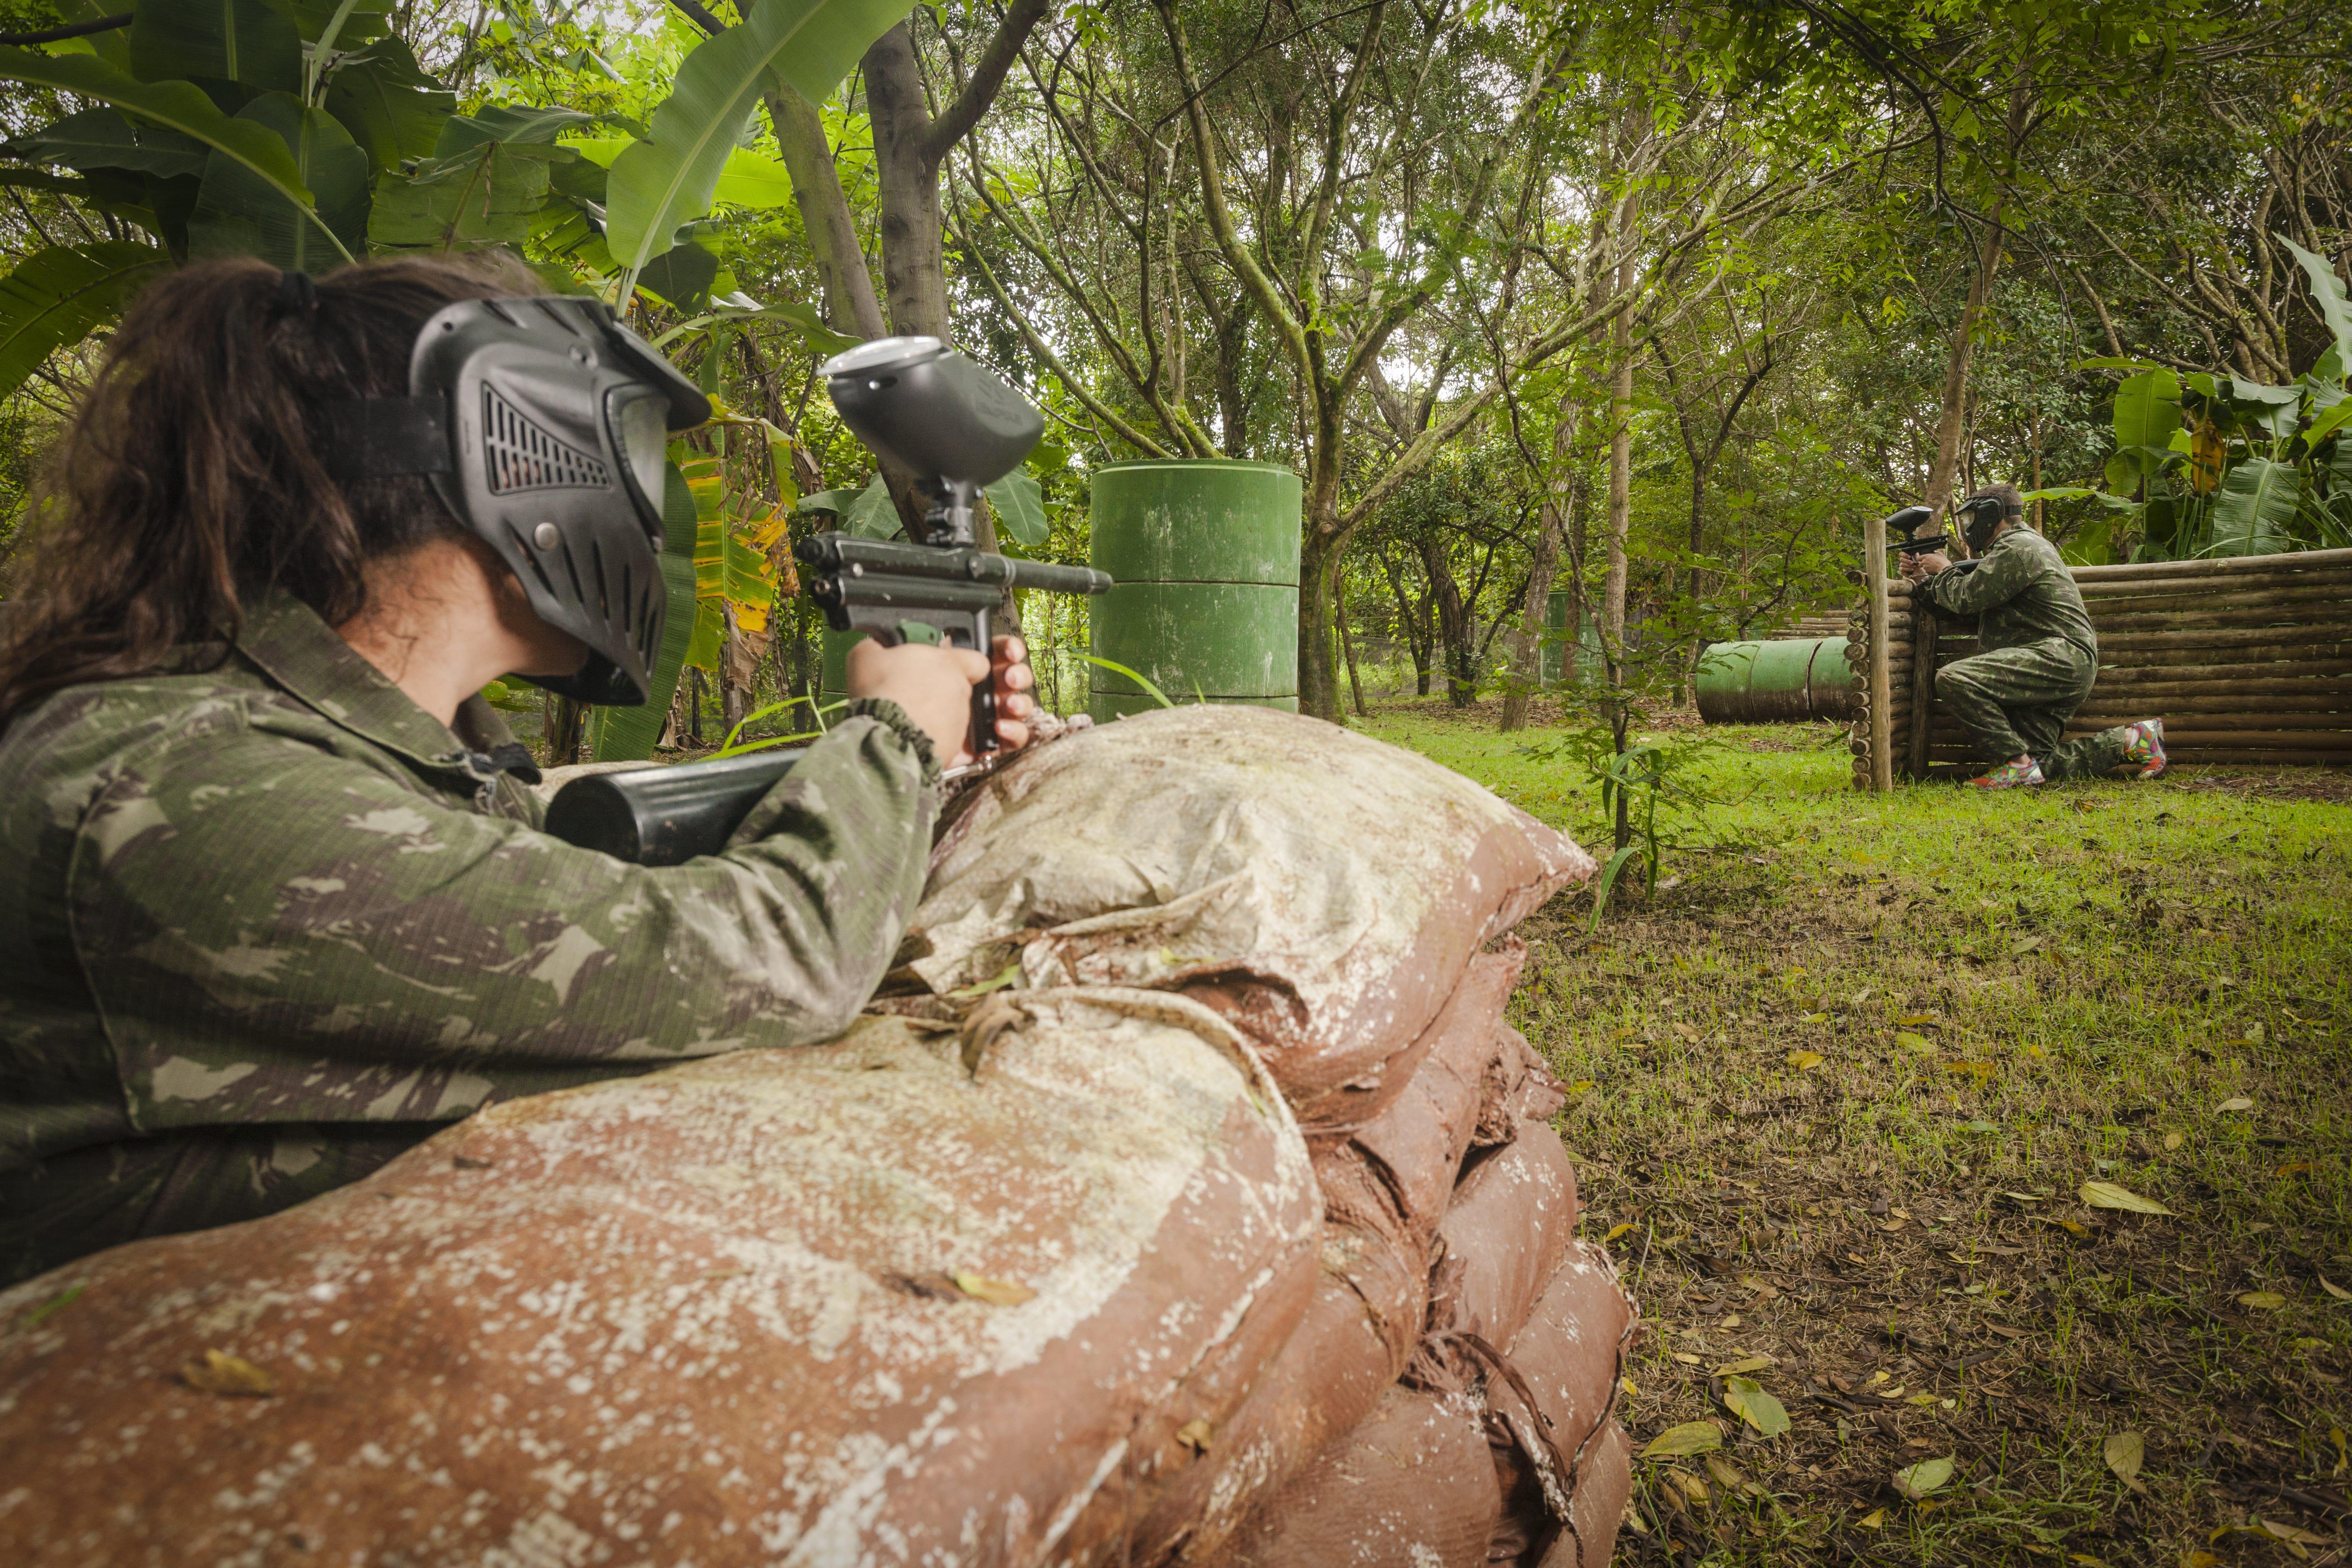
(2020,591)
(271,923)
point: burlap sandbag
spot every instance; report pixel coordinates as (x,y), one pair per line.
(843,1305)
(1511,1224)
(1322,890)
(1412,1487)
(1568,1448)
(1384,1192)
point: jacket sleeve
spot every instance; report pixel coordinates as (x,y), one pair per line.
(275,933)
(2000,575)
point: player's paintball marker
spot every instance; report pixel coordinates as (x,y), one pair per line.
(1911,520)
(939,416)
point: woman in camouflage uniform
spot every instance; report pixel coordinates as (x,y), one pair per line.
(275,902)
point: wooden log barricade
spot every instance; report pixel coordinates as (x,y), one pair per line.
(2247,661)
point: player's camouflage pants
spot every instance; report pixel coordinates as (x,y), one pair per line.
(2016,702)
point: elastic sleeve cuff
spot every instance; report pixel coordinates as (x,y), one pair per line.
(892,717)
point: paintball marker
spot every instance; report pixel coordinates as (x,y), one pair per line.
(943,418)
(1911,520)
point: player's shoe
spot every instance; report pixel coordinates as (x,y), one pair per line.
(2021,774)
(2145,749)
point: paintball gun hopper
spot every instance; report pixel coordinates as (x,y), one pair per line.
(1911,520)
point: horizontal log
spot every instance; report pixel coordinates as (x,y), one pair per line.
(2278,660)
(2314,676)
(2226,566)
(2336,591)
(2334,633)
(2195,724)
(2317,585)
(2298,740)
(2332,614)
(2138,704)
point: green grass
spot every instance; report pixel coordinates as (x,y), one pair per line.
(2011,995)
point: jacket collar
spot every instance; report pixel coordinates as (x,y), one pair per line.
(289,642)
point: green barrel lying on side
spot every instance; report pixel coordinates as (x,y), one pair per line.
(1785,680)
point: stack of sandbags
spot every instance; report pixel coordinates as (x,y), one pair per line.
(1187,1172)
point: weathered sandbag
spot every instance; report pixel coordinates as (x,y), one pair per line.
(1520,1088)
(1412,1487)
(843,1305)
(1322,890)
(1511,1224)
(1568,1448)
(1384,1192)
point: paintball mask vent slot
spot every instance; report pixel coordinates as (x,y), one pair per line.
(572,569)
(520,455)
(596,571)
(525,553)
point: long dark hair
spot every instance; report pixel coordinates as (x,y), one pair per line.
(191,479)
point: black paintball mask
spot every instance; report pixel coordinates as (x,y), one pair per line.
(1981,515)
(543,425)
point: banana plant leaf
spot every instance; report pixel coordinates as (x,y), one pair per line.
(2147,410)
(489,196)
(385,100)
(103,138)
(667,178)
(251,41)
(1019,502)
(60,295)
(175,106)
(2253,512)
(238,214)
(2274,410)
(2328,292)
(681,276)
(341,23)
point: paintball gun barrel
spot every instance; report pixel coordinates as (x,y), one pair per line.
(935,413)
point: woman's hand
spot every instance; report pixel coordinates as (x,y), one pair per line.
(933,683)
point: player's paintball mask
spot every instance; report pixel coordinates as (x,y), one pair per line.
(543,425)
(1983,512)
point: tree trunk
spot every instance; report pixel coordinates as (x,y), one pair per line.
(1527,652)
(1347,647)
(1954,415)
(850,307)
(914,256)
(1318,692)
(1621,479)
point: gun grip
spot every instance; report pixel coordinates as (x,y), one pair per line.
(983,740)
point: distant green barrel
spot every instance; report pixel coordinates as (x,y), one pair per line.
(1785,680)
(1206,556)
(1558,607)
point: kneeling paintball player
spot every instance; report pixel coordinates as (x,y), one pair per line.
(274,904)
(2038,653)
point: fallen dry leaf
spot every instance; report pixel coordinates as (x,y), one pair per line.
(2235,1102)
(221,1373)
(1911,1042)
(1918,1480)
(1761,1410)
(2333,1288)
(1806,1061)
(995,1292)
(2107,1196)
(2263,1301)
(1618,1230)
(1690,1437)
(2124,1452)
(1874,1520)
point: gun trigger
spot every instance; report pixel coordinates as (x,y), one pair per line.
(916,631)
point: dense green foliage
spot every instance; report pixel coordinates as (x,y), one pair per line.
(1647,309)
